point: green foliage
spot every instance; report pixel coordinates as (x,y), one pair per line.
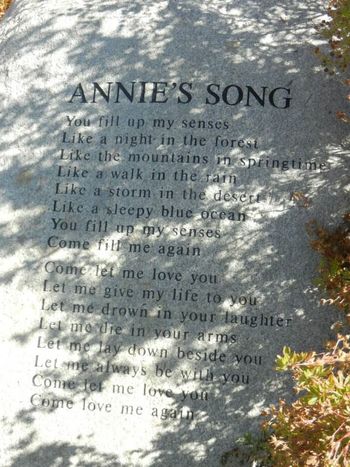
(249,449)
(334,270)
(314,430)
(337,31)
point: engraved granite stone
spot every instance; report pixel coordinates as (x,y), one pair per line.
(159,161)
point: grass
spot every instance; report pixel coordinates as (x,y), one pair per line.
(4,4)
